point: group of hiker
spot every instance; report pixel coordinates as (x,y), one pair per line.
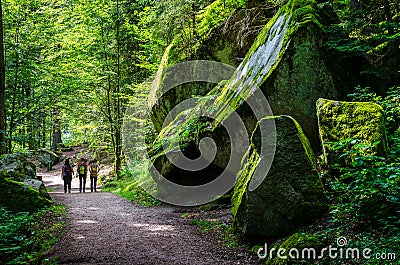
(81,171)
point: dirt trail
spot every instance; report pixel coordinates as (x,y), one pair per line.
(103,228)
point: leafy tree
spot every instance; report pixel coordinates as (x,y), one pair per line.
(2,88)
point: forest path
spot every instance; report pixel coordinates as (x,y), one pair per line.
(103,228)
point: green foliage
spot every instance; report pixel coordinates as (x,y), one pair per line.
(128,185)
(25,237)
(185,24)
(14,232)
(365,204)
(75,64)
(390,103)
(368,189)
(371,30)
(213,15)
(365,194)
(222,232)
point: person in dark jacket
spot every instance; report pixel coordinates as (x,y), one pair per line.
(66,175)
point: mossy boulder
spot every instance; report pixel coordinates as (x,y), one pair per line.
(300,79)
(16,167)
(290,195)
(229,97)
(340,120)
(45,155)
(297,246)
(20,188)
(39,186)
(22,197)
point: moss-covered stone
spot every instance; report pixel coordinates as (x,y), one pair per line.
(45,155)
(21,197)
(339,120)
(20,190)
(290,195)
(300,79)
(17,167)
(286,61)
(295,246)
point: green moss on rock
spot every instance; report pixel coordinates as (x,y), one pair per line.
(294,246)
(20,197)
(339,120)
(290,195)
(289,34)
(16,167)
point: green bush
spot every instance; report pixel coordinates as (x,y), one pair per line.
(365,195)
(24,237)
(367,191)
(128,185)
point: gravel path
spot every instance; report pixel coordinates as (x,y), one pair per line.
(103,228)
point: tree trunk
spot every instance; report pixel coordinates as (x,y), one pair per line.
(118,142)
(118,151)
(44,131)
(2,89)
(30,121)
(56,136)
(193,20)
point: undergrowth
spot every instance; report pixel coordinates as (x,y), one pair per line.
(221,231)
(128,185)
(25,237)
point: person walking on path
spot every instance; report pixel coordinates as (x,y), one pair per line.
(94,171)
(82,173)
(66,175)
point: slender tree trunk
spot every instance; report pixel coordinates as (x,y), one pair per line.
(106,68)
(118,147)
(11,124)
(30,121)
(44,131)
(56,136)
(193,20)
(14,95)
(2,89)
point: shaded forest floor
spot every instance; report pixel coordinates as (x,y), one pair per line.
(103,228)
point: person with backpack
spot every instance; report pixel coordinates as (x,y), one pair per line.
(94,171)
(82,173)
(66,175)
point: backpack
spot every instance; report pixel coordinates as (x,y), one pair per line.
(93,169)
(82,169)
(67,171)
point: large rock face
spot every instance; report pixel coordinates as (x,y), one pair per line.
(300,79)
(20,188)
(290,195)
(362,121)
(283,58)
